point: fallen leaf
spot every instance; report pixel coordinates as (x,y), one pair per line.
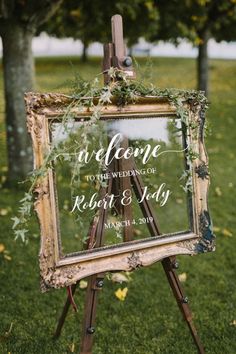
(137,232)
(218,191)
(119,278)
(2,247)
(83,284)
(227,233)
(72,347)
(216,229)
(3,212)
(233,323)
(121,293)
(7,333)
(179,201)
(183,277)
(8,258)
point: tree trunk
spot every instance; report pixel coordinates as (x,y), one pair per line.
(18,68)
(84,56)
(202,64)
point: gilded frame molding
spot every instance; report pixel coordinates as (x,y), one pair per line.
(59,271)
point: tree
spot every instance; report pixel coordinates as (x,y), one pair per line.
(198,21)
(19,20)
(89,20)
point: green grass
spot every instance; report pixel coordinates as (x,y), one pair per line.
(148,322)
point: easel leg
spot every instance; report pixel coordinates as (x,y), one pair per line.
(64,313)
(169,265)
(95,284)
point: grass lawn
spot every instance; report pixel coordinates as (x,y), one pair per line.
(148,321)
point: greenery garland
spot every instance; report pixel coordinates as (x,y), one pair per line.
(90,94)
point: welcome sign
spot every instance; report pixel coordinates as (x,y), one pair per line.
(124,190)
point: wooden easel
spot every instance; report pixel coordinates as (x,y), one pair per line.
(115,56)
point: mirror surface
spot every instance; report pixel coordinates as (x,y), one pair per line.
(114,151)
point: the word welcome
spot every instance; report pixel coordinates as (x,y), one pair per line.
(114,151)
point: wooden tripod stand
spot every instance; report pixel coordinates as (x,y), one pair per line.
(114,55)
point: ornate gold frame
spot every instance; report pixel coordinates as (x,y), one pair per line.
(58,271)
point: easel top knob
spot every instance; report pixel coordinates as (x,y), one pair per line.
(115,52)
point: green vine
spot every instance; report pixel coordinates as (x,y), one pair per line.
(89,94)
